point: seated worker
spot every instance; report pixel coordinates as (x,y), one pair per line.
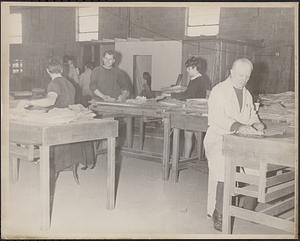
(146,88)
(109,82)
(196,88)
(84,83)
(71,73)
(61,94)
(230,110)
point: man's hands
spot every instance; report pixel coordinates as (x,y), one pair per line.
(121,98)
(103,96)
(108,98)
(250,130)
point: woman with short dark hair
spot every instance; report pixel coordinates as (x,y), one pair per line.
(61,94)
(197,87)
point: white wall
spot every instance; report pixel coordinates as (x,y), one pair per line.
(166,59)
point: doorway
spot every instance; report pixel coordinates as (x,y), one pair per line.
(141,64)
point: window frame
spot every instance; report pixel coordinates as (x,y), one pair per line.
(187,24)
(19,67)
(19,35)
(77,25)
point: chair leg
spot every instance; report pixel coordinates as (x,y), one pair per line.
(75,173)
(56,176)
(142,133)
(94,163)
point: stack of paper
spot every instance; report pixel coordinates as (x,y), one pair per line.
(278,107)
(53,116)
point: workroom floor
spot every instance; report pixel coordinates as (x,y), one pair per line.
(146,206)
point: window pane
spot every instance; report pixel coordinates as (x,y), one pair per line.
(88,11)
(15,28)
(204,15)
(88,24)
(87,36)
(203,30)
(15,40)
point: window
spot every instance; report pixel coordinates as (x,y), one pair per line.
(16,66)
(15,28)
(87,23)
(202,21)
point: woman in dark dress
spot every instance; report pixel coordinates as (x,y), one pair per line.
(198,86)
(61,94)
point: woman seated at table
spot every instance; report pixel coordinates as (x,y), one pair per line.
(146,88)
(61,94)
(197,87)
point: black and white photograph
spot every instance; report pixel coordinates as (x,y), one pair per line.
(149,120)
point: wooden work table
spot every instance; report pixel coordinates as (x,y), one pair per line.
(130,110)
(45,135)
(174,117)
(258,153)
(180,120)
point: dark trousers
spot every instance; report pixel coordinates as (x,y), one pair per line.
(247,202)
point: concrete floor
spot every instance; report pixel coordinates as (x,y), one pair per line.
(146,206)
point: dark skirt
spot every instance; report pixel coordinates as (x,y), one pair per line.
(67,155)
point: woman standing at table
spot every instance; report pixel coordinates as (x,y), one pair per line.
(61,94)
(197,87)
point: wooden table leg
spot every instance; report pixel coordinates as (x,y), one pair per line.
(45,187)
(166,150)
(111,167)
(200,135)
(142,132)
(175,159)
(129,134)
(227,198)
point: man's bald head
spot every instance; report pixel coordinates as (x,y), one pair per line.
(240,72)
(243,61)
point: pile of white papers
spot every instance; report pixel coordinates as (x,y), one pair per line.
(53,116)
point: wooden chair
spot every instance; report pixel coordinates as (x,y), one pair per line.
(142,125)
(29,153)
(19,152)
(181,164)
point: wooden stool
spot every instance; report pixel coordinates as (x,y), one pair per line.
(29,153)
(143,121)
(19,152)
(180,164)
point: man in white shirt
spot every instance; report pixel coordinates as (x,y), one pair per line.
(230,110)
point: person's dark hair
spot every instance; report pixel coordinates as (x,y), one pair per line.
(54,66)
(194,62)
(147,77)
(90,65)
(66,58)
(110,52)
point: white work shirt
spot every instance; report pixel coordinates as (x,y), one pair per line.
(223,111)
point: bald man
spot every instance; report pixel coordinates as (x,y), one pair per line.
(230,110)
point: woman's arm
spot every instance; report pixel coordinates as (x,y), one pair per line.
(45,102)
